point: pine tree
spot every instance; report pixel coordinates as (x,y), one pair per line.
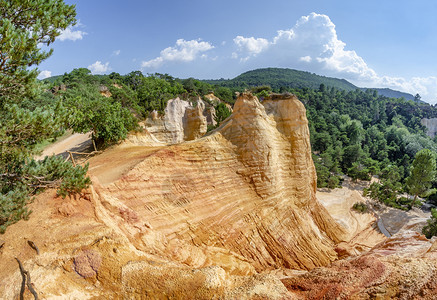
(24,26)
(423,173)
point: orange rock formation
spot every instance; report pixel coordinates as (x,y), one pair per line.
(242,198)
(194,220)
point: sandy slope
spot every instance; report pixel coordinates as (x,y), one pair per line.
(361,226)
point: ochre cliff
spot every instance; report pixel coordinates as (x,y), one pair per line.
(209,217)
(248,189)
(181,122)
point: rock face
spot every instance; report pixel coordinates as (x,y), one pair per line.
(215,100)
(402,267)
(202,219)
(431,125)
(261,213)
(104,91)
(181,122)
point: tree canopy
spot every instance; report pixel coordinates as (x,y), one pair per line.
(422,174)
(25,28)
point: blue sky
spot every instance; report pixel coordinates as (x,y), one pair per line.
(371,43)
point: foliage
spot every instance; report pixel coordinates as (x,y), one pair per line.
(387,193)
(277,78)
(222,112)
(328,171)
(389,187)
(21,129)
(422,174)
(360,207)
(106,118)
(13,207)
(24,26)
(55,171)
(154,92)
(358,171)
(32,177)
(430,229)
(27,114)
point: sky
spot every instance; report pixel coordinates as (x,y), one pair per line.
(384,43)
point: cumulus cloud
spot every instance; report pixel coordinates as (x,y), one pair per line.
(313,44)
(313,40)
(99,68)
(306,58)
(183,51)
(44,74)
(71,33)
(425,86)
(250,46)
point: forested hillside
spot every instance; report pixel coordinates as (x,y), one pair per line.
(280,79)
(394,94)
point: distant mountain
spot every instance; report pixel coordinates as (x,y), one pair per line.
(278,77)
(392,93)
(290,78)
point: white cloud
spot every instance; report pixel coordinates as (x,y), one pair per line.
(116,52)
(99,68)
(313,40)
(44,74)
(306,58)
(183,51)
(312,44)
(425,86)
(251,46)
(71,33)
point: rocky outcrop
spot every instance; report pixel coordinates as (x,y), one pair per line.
(196,220)
(195,122)
(216,100)
(431,126)
(181,122)
(402,267)
(242,198)
(104,91)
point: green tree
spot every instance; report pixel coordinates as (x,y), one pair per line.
(221,112)
(24,25)
(422,174)
(87,110)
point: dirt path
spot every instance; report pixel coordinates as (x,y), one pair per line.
(112,163)
(78,142)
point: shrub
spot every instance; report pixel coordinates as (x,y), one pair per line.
(360,207)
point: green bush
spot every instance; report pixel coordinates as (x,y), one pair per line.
(31,177)
(360,207)
(430,229)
